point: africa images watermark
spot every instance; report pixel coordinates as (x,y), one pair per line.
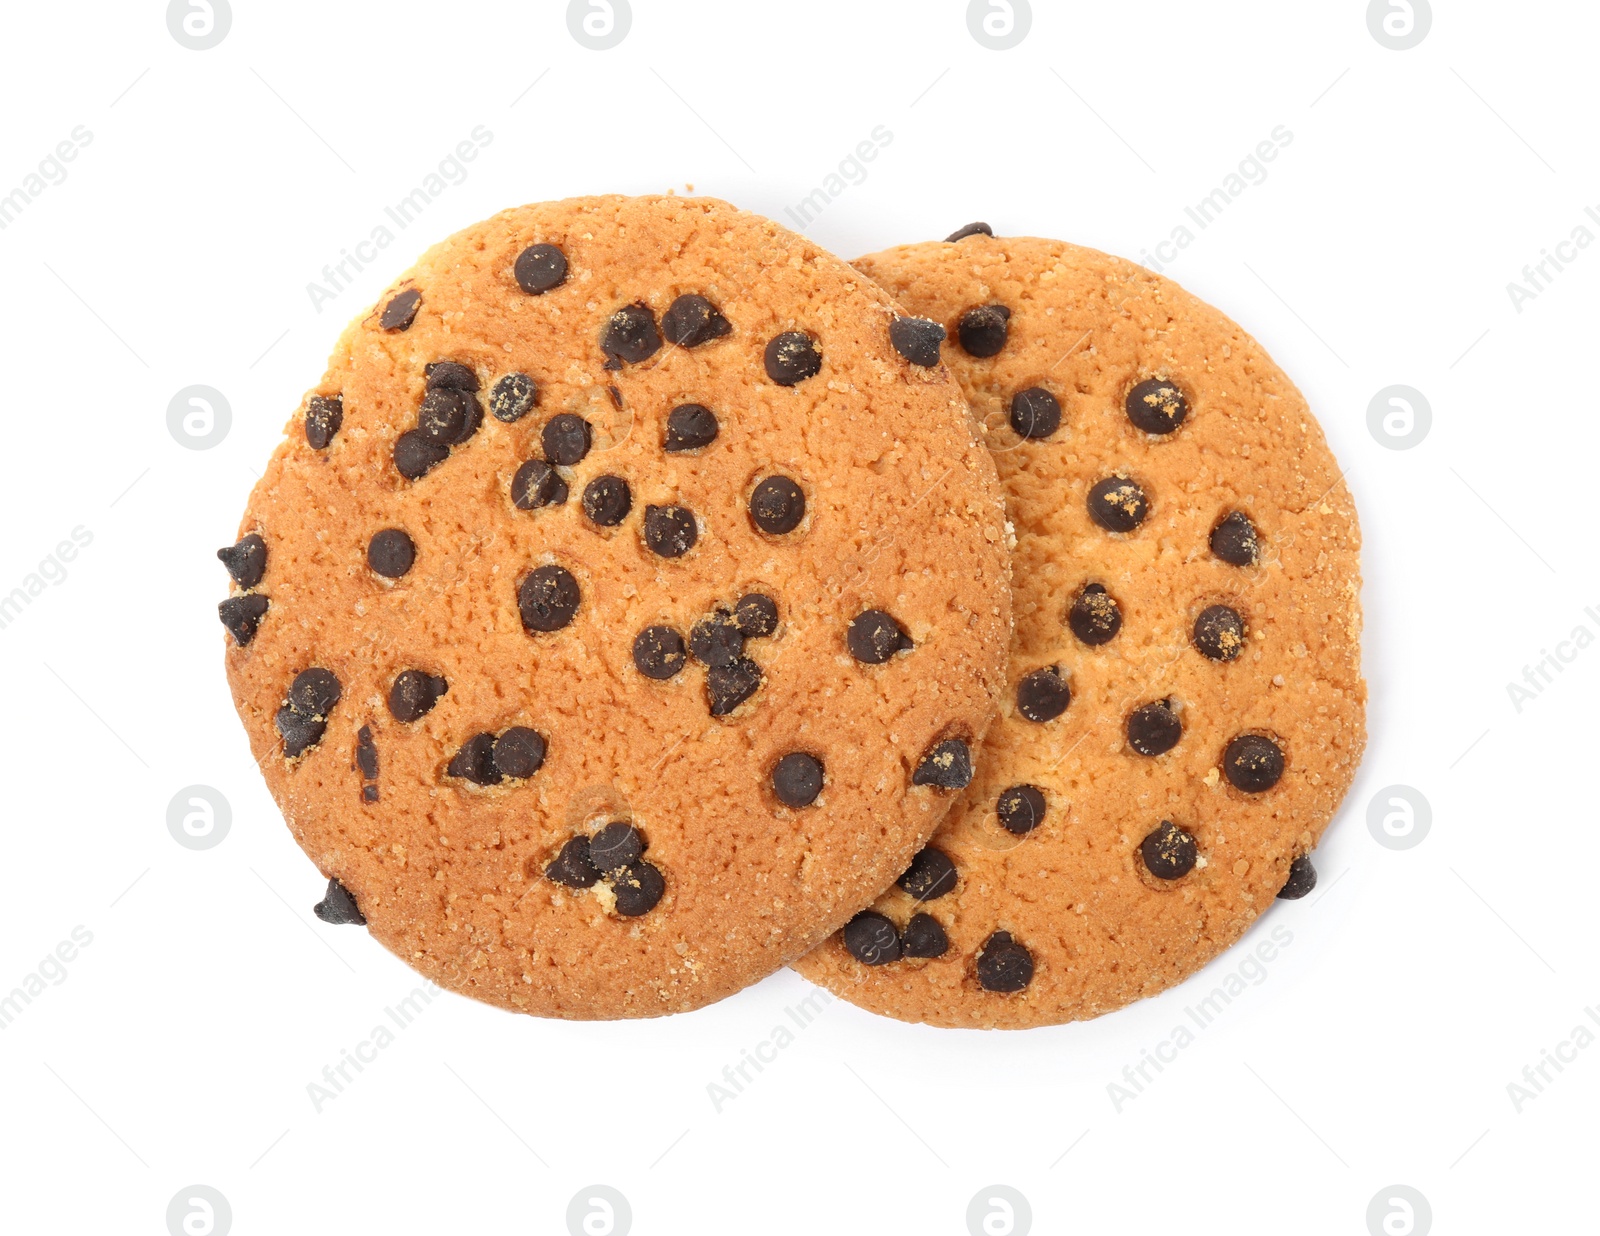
(338,1075)
(51,972)
(1550,665)
(852,170)
(738,1076)
(1251,171)
(51,570)
(1553,1060)
(52,170)
(1538,276)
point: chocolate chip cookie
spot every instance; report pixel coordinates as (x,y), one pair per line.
(621,611)
(1185,706)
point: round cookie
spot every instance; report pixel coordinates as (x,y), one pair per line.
(1185,707)
(554,578)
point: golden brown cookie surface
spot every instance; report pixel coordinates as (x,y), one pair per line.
(1185,706)
(553,669)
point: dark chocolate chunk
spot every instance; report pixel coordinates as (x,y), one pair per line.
(443,416)
(797,779)
(615,846)
(1154,729)
(414,693)
(689,427)
(1253,763)
(658,652)
(537,484)
(924,937)
(1302,879)
(416,455)
(728,686)
(777,505)
(756,615)
(638,887)
(1219,633)
(450,375)
(875,636)
(1095,616)
(1003,964)
(369,793)
(930,875)
(1156,406)
(972,229)
(1117,504)
(982,329)
(1021,809)
(917,339)
(607,500)
(572,867)
(872,939)
(242,615)
(338,907)
(400,312)
(547,598)
(519,752)
(615,395)
(324,415)
(299,732)
(1035,413)
(539,269)
(314,692)
(366,753)
(1168,851)
(246,561)
(630,335)
(716,639)
(946,766)
(692,320)
(391,553)
(792,357)
(670,530)
(567,438)
(1043,695)
(1235,541)
(475,761)
(513,397)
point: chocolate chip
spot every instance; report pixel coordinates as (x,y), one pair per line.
(1168,851)
(670,530)
(924,937)
(972,229)
(1253,763)
(1302,879)
(777,505)
(539,269)
(630,335)
(607,500)
(1095,616)
(875,636)
(450,375)
(391,553)
(314,692)
(792,357)
(413,694)
(242,615)
(716,639)
(246,561)
(797,779)
(443,416)
(566,439)
(369,793)
(338,907)
(400,312)
(366,753)
(616,845)
(1156,406)
(1043,695)
(475,761)
(615,395)
(1003,964)
(872,939)
(513,397)
(930,875)
(299,733)
(1234,540)
(692,320)
(637,888)
(658,653)
(917,339)
(1154,729)
(537,484)
(756,615)
(415,455)
(519,752)
(1035,413)
(689,427)
(1117,504)
(1219,633)
(1021,809)
(572,867)
(947,766)
(324,415)
(728,686)
(982,329)
(547,598)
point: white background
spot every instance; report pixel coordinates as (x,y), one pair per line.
(1419,983)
